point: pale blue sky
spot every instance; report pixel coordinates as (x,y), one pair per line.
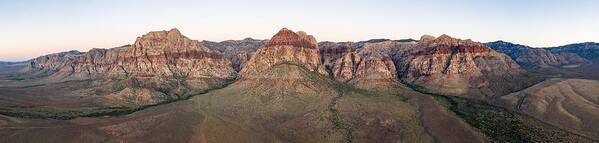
(33,28)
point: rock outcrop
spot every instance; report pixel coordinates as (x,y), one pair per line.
(52,62)
(287,37)
(455,66)
(331,51)
(588,50)
(366,64)
(164,61)
(237,51)
(533,58)
(156,54)
(286,47)
(369,65)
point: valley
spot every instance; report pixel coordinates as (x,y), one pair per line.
(166,87)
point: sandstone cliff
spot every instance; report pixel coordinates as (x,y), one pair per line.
(455,66)
(237,51)
(286,47)
(366,64)
(163,61)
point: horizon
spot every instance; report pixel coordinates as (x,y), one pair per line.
(38,27)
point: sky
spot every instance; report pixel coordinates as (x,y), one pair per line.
(31,28)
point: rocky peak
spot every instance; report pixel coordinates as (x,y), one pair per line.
(173,34)
(155,56)
(172,39)
(451,65)
(445,44)
(288,37)
(285,47)
(425,38)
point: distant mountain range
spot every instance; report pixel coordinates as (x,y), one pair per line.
(573,60)
(166,87)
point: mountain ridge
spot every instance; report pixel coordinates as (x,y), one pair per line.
(290,88)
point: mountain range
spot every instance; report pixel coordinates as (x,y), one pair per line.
(166,87)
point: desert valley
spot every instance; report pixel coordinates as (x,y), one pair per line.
(166,87)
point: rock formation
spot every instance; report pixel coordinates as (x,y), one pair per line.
(237,51)
(369,65)
(533,58)
(52,62)
(165,61)
(331,51)
(156,54)
(286,47)
(365,64)
(454,66)
(587,50)
(287,37)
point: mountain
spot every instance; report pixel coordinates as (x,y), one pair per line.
(535,57)
(461,67)
(366,64)
(166,87)
(573,61)
(164,64)
(284,94)
(237,51)
(442,65)
(285,47)
(588,50)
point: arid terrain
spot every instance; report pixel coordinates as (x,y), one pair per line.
(166,87)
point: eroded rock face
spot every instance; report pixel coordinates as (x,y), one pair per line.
(285,47)
(168,53)
(331,51)
(532,58)
(52,62)
(159,53)
(287,37)
(374,61)
(454,66)
(164,61)
(587,50)
(344,68)
(365,64)
(237,51)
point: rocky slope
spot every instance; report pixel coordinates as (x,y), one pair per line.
(159,53)
(237,51)
(285,47)
(588,50)
(366,64)
(165,62)
(532,58)
(52,62)
(569,61)
(455,66)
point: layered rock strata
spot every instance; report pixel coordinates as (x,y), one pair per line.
(285,47)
